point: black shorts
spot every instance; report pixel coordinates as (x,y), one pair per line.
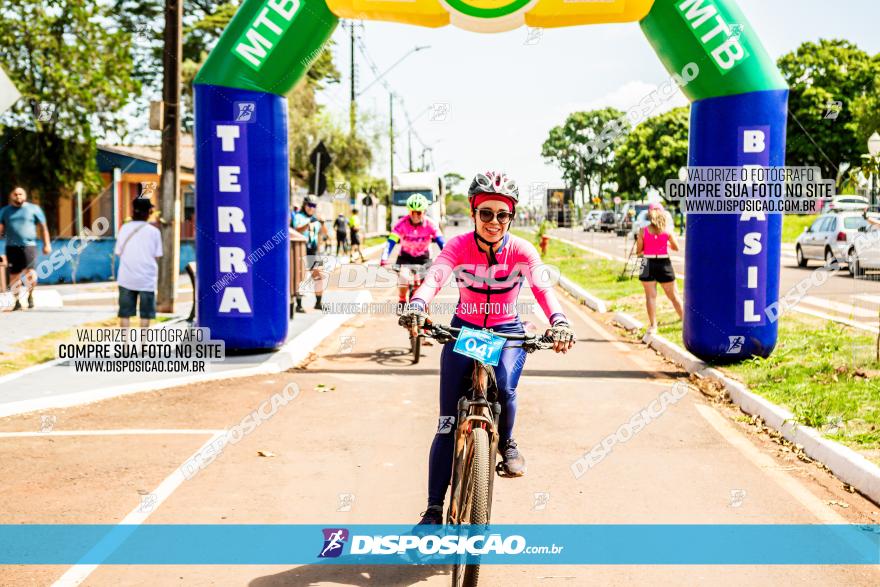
(659,270)
(21,258)
(341,236)
(355,237)
(407,259)
(128,301)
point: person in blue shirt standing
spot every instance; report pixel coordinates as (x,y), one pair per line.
(19,222)
(310,226)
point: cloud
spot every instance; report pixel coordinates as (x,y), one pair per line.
(625,97)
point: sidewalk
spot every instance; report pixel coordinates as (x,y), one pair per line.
(57,384)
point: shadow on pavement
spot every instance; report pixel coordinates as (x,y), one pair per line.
(576,374)
(390,575)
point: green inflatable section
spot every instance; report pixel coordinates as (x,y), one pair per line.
(269,45)
(716,36)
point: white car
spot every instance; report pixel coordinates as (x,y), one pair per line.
(847,203)
(864,254)
(641,222)
(591,220)
(830,238)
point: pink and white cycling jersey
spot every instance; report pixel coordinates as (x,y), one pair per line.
(487,295)
(415,239)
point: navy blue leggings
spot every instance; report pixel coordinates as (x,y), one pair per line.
(455,379)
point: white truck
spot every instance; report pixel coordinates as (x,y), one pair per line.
(428,184)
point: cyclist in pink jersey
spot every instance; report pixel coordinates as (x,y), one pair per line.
(653,244)
(489,265)
(415,232)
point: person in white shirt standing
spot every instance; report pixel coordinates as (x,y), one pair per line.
(138,246)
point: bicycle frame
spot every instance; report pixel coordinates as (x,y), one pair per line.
(474,410)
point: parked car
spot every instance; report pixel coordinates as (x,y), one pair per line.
(608,221)
(864,254)
(641,222)
(846,203)
(592,219)
(628,214)
(829,238)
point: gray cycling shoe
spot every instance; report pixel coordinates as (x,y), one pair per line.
(513,463)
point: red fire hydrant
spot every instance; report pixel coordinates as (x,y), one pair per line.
(545,242)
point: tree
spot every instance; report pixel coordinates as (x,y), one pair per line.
(656,150)
(452,180)
(583,148)
(75,75)
(821,75)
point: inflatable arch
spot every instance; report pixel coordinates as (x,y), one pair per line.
(738,117)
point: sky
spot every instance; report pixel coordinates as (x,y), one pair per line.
(502,93)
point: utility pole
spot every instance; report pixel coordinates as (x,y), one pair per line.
(352,108)
(169,185)
(410,149)
(388,215)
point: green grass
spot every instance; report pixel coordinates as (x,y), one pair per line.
(611,282)
(825,373)
(793,226)
(374,240)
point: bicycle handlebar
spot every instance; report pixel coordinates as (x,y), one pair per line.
(445,334)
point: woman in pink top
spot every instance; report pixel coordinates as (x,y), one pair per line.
(654,242)
(489,266)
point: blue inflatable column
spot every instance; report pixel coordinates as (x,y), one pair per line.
(242,216)
(733,261)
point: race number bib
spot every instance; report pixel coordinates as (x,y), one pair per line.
(481,345)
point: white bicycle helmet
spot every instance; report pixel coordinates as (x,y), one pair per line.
(493,182)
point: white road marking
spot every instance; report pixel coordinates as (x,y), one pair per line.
(76,574)
(845,309)
(871,299)
(118,432)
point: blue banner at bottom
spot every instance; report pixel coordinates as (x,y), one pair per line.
(494,545)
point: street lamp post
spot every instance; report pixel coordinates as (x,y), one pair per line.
(874,150)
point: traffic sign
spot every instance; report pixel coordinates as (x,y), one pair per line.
(321,150)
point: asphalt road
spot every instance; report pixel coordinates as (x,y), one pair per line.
(353,448)
(839,295)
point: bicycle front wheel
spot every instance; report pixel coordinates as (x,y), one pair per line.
(475,500)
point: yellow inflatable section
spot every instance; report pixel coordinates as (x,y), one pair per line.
(493,15)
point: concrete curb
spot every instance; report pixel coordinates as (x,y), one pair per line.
(846,464)
(583,296)
(627,321)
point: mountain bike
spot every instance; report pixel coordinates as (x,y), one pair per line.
(476,437)
(415,276)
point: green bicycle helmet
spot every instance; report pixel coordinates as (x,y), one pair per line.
(417,203)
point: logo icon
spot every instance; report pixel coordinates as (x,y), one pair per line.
(439,111)
(736,30)
(735,344)
(533,35)
(737,496)
(244,111)
(43,111)
(47,423)
(833,109)
(446,424)
(541,500)
(334,540)
(346,500)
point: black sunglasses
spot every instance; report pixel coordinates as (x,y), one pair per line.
(487,215)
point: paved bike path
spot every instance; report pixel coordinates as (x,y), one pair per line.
(357,453)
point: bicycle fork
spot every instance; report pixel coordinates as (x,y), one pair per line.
(478,412)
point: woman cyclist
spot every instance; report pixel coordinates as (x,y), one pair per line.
(490,265)
(415,233)
(653,245)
